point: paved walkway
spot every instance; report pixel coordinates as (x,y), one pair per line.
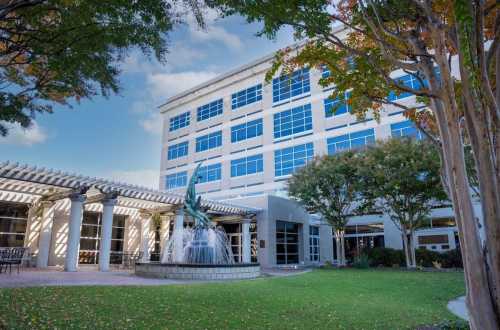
(56,277)
(459,308)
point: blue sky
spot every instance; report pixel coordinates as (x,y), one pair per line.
(119,137)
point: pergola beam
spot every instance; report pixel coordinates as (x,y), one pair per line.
(67,184)
(64,194)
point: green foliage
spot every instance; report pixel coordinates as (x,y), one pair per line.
(401,178)
(448,259)
(361,262)
(387,257)
(451,259)
(322,299)
(56,51)
(328,185)
(425,258)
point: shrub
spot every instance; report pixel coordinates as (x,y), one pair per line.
(361,262)
(426,257)
(452,259)
(448,259)
(386,257)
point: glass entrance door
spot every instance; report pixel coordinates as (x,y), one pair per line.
(287,242)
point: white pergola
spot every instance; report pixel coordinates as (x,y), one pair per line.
(42,187)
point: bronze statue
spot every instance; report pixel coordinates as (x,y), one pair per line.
(193,205)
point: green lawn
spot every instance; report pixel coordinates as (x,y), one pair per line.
(322,299)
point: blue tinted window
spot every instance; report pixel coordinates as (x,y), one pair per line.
(178,150)
(209,110)
(247,165)
(288,160)
(350,141)
(176,180)
(409,81)
(179,121)
(246,131)
(338,106)
(296,120)
(209,173)
(209,141)
(325,72)
(405,128)
(246,96)
(288,86)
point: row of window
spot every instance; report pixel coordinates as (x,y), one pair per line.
(286,123)
(288,160)
(291,122)
(285,87)
(408,80)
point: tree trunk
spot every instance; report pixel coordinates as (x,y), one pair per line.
(483,314)
(413,257)
(482,122)
(482,143)
(339,241)
(406,248)
(342,247)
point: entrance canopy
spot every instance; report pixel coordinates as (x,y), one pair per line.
(27,184)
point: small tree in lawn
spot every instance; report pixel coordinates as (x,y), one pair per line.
(329,186)
(401,178)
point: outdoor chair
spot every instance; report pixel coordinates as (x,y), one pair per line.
(12,256)
(4,255)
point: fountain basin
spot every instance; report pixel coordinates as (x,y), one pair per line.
(181,271)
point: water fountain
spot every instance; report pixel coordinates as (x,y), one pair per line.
(201,252)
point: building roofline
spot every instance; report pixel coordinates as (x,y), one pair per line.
(217,79)
(336,29)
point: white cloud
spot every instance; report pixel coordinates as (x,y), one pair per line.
(152,124)
(20,136)
(146,177)
(164,85)
(178,57)
(217,33)
(160,86)
(213,31)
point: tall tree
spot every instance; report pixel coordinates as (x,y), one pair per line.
(329,186)
(451,50)
(401,178)
(55,51)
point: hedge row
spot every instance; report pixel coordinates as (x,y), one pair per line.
(391,257)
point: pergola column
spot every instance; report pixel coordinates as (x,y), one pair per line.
(246,252)
(164,232)
(75,223)
(106,231)
(45,237)
(178,233)
(145,235)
